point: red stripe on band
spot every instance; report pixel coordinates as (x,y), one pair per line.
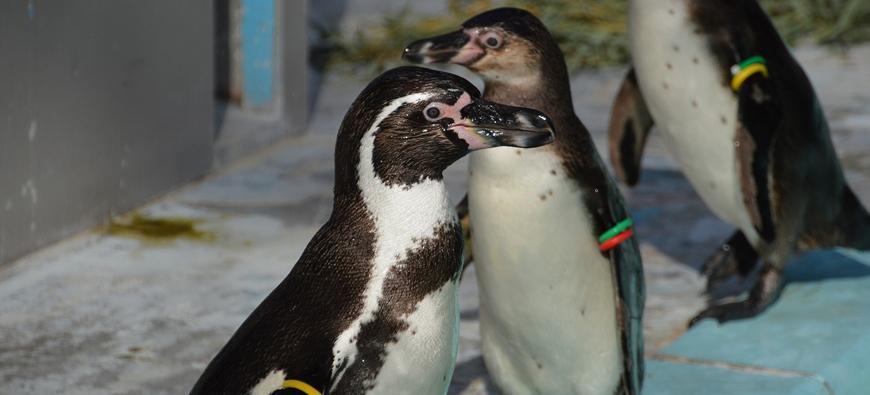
(616,240)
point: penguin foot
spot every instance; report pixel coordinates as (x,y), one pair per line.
(719,267)
(735,257)
(726,312)
(765,291)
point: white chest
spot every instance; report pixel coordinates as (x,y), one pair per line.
(548,320)
(695,113)
(421,361)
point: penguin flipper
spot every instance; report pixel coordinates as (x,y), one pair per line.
(465,221)
(631,292)
(630,123)
(629,277)
(759,120)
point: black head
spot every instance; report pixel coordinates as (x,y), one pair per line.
(500,44)
(412,123)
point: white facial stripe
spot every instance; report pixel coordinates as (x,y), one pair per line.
(403,218)
(273,381)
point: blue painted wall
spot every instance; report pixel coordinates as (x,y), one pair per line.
(258,48)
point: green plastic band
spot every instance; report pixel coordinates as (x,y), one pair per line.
(751,61)
(619,228)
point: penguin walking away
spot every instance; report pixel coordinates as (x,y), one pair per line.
(371,305)
(742,120)
(557,314)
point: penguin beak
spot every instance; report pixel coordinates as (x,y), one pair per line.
(455,47)
(485,124)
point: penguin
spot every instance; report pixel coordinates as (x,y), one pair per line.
(371,305)
(741,118)
(557,314)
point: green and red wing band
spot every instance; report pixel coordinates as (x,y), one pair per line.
(611,243)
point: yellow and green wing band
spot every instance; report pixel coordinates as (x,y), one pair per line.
(746,69)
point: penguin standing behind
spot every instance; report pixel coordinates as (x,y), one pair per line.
(560,277)
(371,305)
(741,118)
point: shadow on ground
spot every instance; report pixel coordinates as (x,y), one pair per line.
(827,265)
(474,369)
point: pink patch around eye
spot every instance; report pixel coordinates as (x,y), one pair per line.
(453,111)
(469,53)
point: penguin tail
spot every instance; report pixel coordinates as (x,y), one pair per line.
(854,222)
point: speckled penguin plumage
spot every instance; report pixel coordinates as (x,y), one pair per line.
(756,147)
(558,315)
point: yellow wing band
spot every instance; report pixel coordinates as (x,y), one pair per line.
(747,72)
(301,386)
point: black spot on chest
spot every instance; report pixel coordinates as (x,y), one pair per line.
(573,144)
(426,269)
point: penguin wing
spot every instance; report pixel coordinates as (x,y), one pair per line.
(465,221)
(628,268)
(738,31)
(630,123)
(759,115)
(294,328)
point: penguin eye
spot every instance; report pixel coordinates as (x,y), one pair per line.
(492,40)
(432,113)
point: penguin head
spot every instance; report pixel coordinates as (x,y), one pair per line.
(504,44)
(412,123)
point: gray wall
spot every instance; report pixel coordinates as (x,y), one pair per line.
(292,42)
(103,106)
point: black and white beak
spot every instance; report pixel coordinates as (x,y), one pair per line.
(457,47)
(482,124)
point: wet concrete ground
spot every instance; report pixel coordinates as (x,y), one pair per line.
(101,314)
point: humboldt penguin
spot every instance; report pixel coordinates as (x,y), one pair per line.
(371,305)
(742,120)
(560,312)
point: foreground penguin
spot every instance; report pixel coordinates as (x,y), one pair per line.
(741,118)
(370,307)
(560,277)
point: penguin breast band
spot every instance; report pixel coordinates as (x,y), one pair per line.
(741,72)
(301,386)
(615,235)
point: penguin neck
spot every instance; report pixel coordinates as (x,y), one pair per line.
(422,205)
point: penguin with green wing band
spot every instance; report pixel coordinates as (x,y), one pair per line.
(741,118)
(560,310)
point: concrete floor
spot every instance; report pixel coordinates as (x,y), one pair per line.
(108,314)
